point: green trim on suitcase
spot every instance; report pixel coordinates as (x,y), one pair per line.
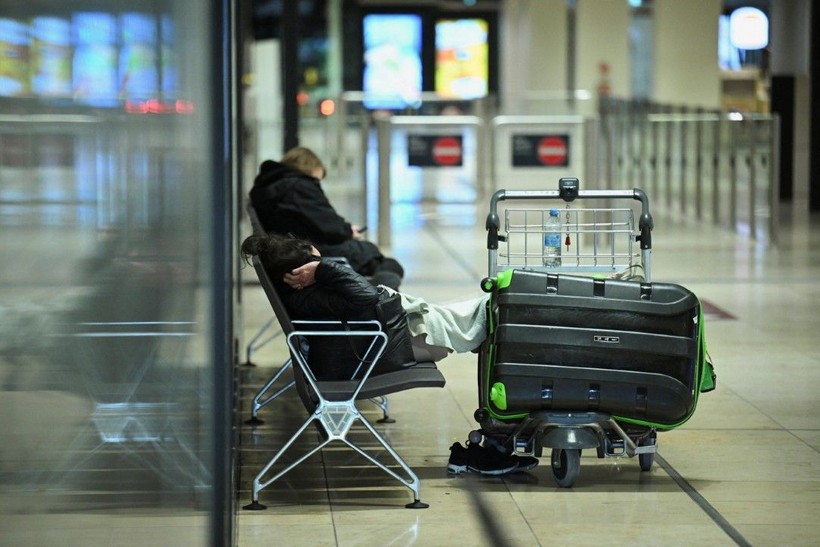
(502,281)
(500,394)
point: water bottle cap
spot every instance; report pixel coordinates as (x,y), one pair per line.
(554,212)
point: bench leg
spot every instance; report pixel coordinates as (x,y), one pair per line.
(337,418)
(412,482)
(259,399)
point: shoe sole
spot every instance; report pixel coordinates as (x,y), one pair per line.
(458,469)
(524,468)
(494,472)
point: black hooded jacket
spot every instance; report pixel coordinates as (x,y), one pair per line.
(288,201)
(339,293)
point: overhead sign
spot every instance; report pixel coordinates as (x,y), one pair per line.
(540,150)
(435,150)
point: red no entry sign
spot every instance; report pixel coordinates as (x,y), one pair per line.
(447,151)
(553,150)
(435,150)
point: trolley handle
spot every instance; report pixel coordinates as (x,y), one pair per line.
(568,191)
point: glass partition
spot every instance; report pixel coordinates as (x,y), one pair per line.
(109,268)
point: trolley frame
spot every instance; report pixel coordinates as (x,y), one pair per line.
(594,260)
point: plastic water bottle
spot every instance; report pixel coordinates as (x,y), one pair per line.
(552,240)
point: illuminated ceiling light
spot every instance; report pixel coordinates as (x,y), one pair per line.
(749,28)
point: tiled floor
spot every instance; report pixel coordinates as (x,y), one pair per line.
(744,470)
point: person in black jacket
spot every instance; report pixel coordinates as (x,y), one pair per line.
(314,288)
(288,198)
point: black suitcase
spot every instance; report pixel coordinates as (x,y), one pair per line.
(575,362)
(630,349)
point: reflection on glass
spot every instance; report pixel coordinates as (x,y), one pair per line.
(51,56)
(14,45)
(169,69)
(95,58)
(89,58)
(139,69)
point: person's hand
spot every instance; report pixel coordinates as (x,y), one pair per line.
(303,276)
(357,231)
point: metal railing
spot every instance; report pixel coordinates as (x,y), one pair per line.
(704,165)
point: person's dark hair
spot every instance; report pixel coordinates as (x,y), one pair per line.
(278,254)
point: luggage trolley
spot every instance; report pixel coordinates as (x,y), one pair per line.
(588,353)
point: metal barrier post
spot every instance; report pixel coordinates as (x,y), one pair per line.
(628,153)
(383,135)
(619,135)
(643,152)
(483,144)
(699,164)
(684,141)
(653,158)
(750,161)
(680,140)
(607,125)
(733,147)
(364,135)
(341,128)
(716,164)
(668,160)
(591,163)
(774,180)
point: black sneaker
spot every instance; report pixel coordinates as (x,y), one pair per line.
(525,463)
(479,459)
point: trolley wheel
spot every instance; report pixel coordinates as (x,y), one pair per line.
(566,464)
(646,460)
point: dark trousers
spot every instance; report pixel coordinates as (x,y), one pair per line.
(385,271)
